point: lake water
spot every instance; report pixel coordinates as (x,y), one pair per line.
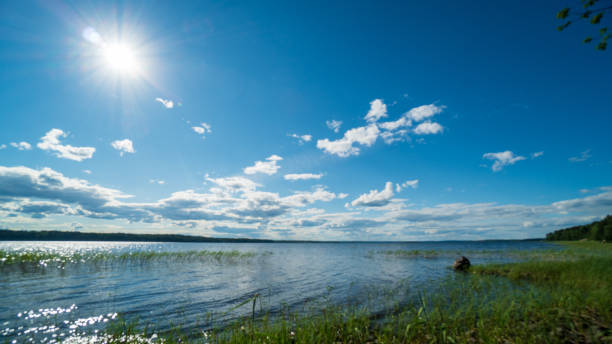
(44,303)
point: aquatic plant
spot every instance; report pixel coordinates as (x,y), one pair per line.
(45,258)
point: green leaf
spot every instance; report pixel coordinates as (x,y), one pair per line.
(563,13)
(603,30)
(602,46)
(597,18)
(587,40)
(562,27)
(586,14)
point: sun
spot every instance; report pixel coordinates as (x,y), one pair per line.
(120,58)
(116,58)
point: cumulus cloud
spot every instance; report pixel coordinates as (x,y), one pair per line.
(87,171)
(157,181)
(303,198)
(40,209)
(203,129)
(47,184)
(394,125)
(537,154)
(502,159)
(378,110)
(344,147)
(584,156)
(409,183)
(391,131)
(2,146)
(601,202)
(302,176)
(51,142)
(236,202)
(375,198)
(268,167)
(428,127)
(422,112)
(167,103)
(334,125)
(234,184)
(21,145)
(302,138)
(123,146)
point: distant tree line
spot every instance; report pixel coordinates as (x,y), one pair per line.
(81,236)
(598,230)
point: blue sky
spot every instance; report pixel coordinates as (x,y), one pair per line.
(372,120)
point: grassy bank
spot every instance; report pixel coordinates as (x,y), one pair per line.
(561,296)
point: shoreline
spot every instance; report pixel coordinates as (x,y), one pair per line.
(59,236)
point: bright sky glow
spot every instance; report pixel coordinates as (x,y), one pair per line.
(389,121)
(120,58)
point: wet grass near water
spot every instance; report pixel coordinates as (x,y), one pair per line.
(50,258)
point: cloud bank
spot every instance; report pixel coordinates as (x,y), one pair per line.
(238,205)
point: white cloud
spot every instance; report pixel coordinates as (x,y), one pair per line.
(167,103)
(409,183)
(375,198)
(157,181)
(300,199)
(87,171)
(394,136)
(268,167)
(89,200)
(391,131)
(428,127)
(302,176)
(123,146)
(2,146)
(537,154)
(378,110)
(334,125)
(235,184)
(416,114)
(27,194)
(21,145)
(91,35)
(502,159)
(423,112)
(52,143)
(302,138)
(205,128)
(585,155)
(343,147)
(393,125)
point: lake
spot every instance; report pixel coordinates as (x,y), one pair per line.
(50,300)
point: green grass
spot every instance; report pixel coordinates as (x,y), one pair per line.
(45,258)
(556,296)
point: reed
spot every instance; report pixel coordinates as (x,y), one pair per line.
(45,258)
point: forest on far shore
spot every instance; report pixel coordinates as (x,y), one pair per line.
(598,230)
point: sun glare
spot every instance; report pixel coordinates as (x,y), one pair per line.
(117,55)
(120,58)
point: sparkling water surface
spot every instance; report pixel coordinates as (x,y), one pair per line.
(49,301)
